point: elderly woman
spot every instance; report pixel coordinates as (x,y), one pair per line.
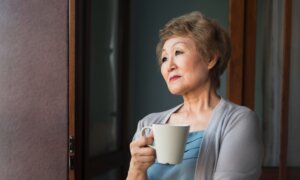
(224,140)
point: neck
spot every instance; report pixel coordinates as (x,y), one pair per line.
(201,100)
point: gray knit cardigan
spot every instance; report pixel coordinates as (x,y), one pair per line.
(232,146)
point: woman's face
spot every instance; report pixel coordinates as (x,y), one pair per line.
(183,68)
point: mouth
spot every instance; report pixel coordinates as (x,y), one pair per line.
(174,78)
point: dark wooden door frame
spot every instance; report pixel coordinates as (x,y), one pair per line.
(79,21)
(241,73)
(241,69)
(283,173)
(71,131)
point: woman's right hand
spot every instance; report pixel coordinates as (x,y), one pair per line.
(142,157)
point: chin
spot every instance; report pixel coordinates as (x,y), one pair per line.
(177,92)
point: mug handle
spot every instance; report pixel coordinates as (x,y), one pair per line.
(143,134)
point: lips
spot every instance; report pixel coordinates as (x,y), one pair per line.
(174,78)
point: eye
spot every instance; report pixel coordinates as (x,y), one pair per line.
(164,59)
(177,52)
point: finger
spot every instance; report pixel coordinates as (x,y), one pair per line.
(149,140)
(144,151)
(141,142)
(143,159)
(151,134)
(140,157)
(147,151)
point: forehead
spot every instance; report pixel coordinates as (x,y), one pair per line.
(177,40)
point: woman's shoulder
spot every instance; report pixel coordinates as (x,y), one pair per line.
(234,112)
(234,108)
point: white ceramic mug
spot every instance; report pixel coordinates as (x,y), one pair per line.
(169,140)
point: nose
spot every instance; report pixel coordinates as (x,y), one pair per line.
(171,65)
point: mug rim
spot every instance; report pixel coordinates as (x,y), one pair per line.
(172,125)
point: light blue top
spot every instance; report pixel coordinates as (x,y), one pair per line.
(186,169)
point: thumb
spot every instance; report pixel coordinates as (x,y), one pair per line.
(151,134)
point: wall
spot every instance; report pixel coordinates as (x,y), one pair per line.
(33,89)
(148,90)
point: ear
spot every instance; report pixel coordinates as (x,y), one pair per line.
(213,61)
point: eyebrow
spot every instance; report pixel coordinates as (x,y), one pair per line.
(179,42)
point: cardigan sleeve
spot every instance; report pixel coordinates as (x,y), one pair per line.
(138,129)
(241,150)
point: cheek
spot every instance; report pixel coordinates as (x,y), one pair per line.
(163,71)
(198,71)
(203,74)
